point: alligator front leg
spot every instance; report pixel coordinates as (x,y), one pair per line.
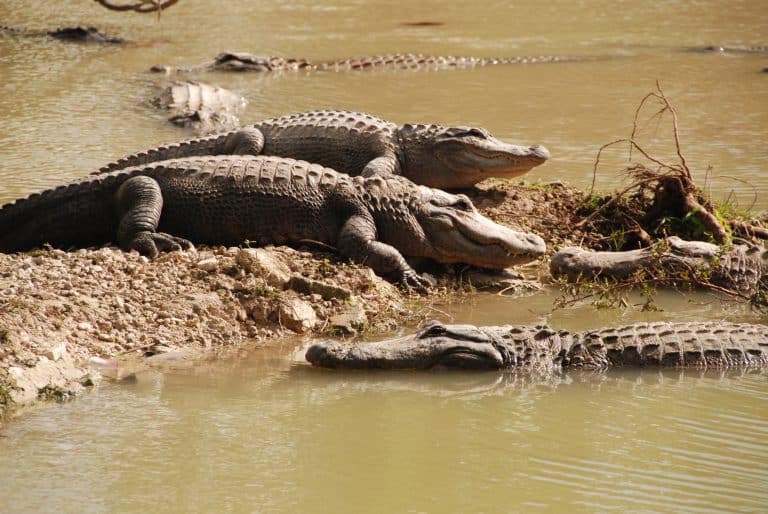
(381,167)
(139,202)
(357,240)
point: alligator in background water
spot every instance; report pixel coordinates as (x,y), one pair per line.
(80,34)
(243,61)
(265,200)
(734,49)
(743,268)
(202,107)
(360,144)
(543,350)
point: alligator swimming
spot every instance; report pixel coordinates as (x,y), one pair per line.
(243,61)
(77,33)
(360,144)
(265,200)
(540,349)
(742,268)
(734,49)
(203,107)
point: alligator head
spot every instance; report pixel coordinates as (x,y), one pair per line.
(435,346)
(459,157)
(447,228)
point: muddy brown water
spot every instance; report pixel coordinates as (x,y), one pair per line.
(264,432)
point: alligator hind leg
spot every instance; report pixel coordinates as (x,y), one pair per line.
(139,203)
(245,141)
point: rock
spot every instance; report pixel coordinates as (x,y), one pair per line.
(348,322)
(263,263)
(508,281)
(310,286)
(57,351)
(209,265)
(297,315)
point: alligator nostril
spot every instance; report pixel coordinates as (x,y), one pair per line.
(540,151)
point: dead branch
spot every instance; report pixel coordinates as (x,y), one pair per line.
(749,230)
(140,6)
(673,180)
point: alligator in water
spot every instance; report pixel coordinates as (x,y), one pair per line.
(265,200)
(722,49)
(360,144)
(203,107)
(540,349)
(243,61)
(80,34)
(742,268)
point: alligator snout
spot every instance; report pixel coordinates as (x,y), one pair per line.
(540,152)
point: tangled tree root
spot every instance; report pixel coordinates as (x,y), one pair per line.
(662,199)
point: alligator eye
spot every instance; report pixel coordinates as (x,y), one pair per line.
(476,132)
(433,330)
(463,203)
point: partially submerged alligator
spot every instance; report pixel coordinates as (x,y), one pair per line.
(203,107)
(541,349)
(243,61)
(360,144)
(265,200)
(723,49)
(743,268)
(78,33)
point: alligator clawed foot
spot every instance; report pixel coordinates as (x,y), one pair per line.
(168,243)
(413,282)
(150,244)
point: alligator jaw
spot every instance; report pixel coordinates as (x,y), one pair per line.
(408,352)
(464,235)
(473,161)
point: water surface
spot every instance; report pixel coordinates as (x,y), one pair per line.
(266,433)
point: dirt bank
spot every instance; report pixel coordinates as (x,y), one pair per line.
(65,315)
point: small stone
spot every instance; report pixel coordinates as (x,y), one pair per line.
(210,265)
(264,263)
(85,326)
(297,315)
(57,351)
(350,320)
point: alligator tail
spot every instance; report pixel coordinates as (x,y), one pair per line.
(78,214)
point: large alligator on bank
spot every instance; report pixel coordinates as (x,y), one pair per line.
(243,61)
(203,107)
(80,34)
(540,349)
(360,144)
(265,200)
(742,268)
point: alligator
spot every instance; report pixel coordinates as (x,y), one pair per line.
(543,350)
(203,107)
(360,144)
(742,268)
(721,49)
(230,200)
(78,33)
(244,61)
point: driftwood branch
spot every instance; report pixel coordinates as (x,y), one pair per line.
(140,6)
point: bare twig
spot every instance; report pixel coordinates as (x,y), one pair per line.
(140,6)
